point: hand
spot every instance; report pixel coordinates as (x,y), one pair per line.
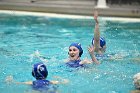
(91,49)
(65,81)
(96,16)
(91,52)
(85,61)
(37,54)
(9,79)
(60,80)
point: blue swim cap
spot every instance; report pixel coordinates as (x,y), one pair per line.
(78,45)
(39,71)
(102,41)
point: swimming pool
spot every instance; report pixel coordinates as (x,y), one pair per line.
(21,36)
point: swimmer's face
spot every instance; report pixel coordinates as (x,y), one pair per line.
(73,52)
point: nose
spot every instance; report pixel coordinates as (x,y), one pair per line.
(71,51)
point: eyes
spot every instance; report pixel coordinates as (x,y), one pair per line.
(72,50)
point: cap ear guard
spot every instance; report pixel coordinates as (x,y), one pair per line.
(33,74)
(39,71)
(80,54)
(102,42)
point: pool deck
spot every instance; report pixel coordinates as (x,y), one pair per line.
(73,7)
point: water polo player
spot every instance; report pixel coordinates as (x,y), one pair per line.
(75,53)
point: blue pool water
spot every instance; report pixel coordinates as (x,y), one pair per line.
(21,36)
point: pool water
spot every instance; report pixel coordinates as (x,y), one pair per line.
(21,36)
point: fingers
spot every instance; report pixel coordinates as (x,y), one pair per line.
(37,52)
(96,16)
(66,81)
(96,13)
(9,79)
(91,48)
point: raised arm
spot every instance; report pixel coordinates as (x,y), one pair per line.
(96,33)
